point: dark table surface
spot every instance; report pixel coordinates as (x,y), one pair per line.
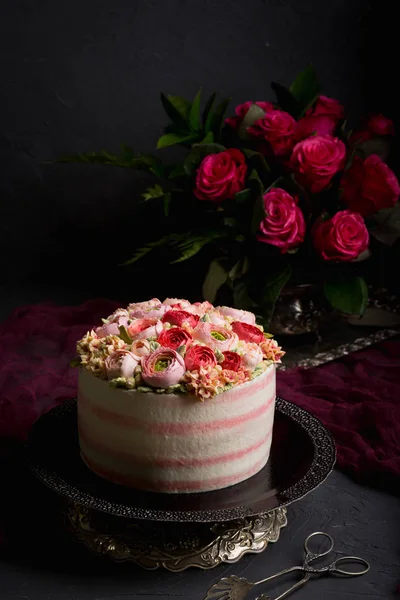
(363,521)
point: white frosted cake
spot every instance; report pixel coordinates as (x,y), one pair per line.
(176,397)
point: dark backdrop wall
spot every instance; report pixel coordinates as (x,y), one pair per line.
(85,75)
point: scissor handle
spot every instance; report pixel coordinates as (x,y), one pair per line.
(310,555)
(338,570)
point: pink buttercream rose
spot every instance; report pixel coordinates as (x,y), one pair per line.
(242,109)
(145,328)
(277,128)
(146,305)
(369,185)
(141,347)
(216,317)
(119,316)
(121,363)
(342,238)
(215,336)
(162,368)
(284,225)
(151,313)
(251,355)
(237,314)
(179,301)
(107,329)
(316,160)
(221,176)
(321,119)
(199,308)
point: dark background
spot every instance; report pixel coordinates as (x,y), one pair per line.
(84,75)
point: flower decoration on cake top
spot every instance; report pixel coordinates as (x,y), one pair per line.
(175,346)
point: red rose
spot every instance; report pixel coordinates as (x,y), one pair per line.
(376,125)
(199,356)
(284,225)
(247,332)
(232,361)
(316,160)
(342,238)
(276,127)
(242,109)
(221,176)
(369,185)
(174,338)
(321,119)
(180,317)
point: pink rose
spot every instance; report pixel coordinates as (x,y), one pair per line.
(284,225)
(238,315)
(252,356)
(140,347)
(242,109)
(162,368)
(221,176)
(215,336)
(321,119)
(247,332)
(376,126)
(121,363)
(145,328)
(369,185)
(342,238)
(316,160)
(199,356)
(277,128)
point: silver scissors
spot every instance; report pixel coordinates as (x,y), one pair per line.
(235,588)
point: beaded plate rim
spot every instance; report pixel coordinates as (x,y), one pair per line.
(322,464)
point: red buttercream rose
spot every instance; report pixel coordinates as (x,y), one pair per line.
(321,119)
(284,225)
(369,185)
(199,356)
(277,128)
(180,317)
(242,109)
(342,238)
(247,332)
(232,361)
(316,160)
(174,338)
(221,176)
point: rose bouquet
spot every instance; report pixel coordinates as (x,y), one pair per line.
(280,193)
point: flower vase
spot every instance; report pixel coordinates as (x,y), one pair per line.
(299,310)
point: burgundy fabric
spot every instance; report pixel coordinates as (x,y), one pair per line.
(357,398)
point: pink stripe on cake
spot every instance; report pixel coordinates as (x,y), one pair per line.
(172,486)
(183,429)
(99,446)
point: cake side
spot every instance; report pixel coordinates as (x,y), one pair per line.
(166,443)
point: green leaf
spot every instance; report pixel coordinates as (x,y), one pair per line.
(147,248)
(217,118)
(193,243)
(305,88)
(198,152)
(253,114)
(75,362)
(216,276)
(177,109)
(258,214)
(167,202)
(257,160)
(124,335)
(207,112)
(170,139)
(206,148)
(243,196)
(127,159)
(153,192)
(177,171)
(194,116)
(386,225)
(208,139)
(286,100)
(272,288)
(255,183)
(349,297)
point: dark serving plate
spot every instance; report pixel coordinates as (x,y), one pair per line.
(302,456)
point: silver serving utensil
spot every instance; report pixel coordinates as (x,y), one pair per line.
(230,588)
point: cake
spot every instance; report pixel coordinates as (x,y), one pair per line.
(176,397)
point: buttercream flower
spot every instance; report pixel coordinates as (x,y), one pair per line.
(272,351)
(242,109)
(232,361)
(199,356)
(144,328)
(141,347)
(277,128)
(107,329)
(342,238)
(321,119)
(247,332)
(199,308)
(221,176)
(176,301)
(252,356)
(180,318)
(146,305)
(369,185)
(174,338)
(162,368)
(239,315)
(121,363)
(316,160)
(119,316)
(217,318)
(151,313)
(204,382)
(283,225)
(215,336)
